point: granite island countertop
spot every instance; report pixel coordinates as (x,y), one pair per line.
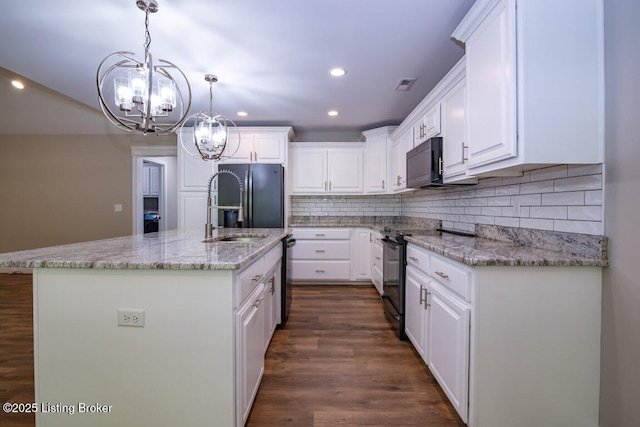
(168,250)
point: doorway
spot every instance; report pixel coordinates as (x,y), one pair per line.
(155,191)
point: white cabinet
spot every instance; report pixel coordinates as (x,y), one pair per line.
(448,345)
(531,100)
(250,320)
(427,126)
(151,181)
(378,152)
(360,258)
(321,254)
(258,145)
(272,294)
(193,172)
(416,319)
(401,144)
(327,170)
(375,268)
(495,337)
(453,130)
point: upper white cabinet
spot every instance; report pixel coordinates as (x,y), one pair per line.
(315,169)
(401,143)
(193,172)
(151,181)
(534,84)
(376,158)
(258,145)
(427,126)
(453,128)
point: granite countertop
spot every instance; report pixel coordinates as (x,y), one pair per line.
(492,246)
(170,250)
(476,251)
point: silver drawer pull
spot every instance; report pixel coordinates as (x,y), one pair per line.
(257,302)
(441,274)
(257,277)
(320,251)
(414,259)
(320,234)
(319,271)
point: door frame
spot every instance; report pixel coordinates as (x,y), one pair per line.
(139,155)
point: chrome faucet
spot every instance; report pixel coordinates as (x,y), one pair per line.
(208,227)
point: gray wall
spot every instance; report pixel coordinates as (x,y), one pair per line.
(620,369)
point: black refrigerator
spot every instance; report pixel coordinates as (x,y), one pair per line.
(263,195)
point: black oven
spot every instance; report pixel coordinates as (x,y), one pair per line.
(393,280)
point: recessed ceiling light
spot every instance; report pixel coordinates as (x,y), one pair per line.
(332,113)
(338,72)
(242,113)
(17,84)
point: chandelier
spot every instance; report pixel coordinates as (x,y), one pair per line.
(146,96)
(210,131)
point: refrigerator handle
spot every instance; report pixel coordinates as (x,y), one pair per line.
(250,199)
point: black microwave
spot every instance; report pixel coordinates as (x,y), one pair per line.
(424,164)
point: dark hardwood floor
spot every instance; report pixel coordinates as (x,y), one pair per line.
(336,363)
(16,347)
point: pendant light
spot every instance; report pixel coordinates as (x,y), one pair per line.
(210,131)
(143,96)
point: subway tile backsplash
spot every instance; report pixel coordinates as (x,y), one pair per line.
(560,198)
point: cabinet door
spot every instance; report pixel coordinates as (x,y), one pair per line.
(346,170)
(428,126)
(416,311)
(448,346)
(146,174)
(401,145)
(376,165)
(193,172)
(491,96)
(154,181)
(269,148)
(239,146)
(453,125)
(309,170)
(360,255)
(192,210)
(250,350)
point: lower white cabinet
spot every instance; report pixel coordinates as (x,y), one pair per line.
(321,254)
(375,267)
(416,315)
(250,320)
(271,297)
(508,344)
(360,238)
(448,345)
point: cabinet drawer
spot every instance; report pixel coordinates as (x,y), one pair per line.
(321,270)
(452,276)
(322,233)
(418,258)
(323,249)
(249,279)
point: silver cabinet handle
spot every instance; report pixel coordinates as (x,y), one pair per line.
(273,285)
(422,288)
(426,299)
(463,148)
(383,184)
(320,251)
(325,186)
(441,274)
(414,259)
(319,271)
(257,277)
(320,234)
(257,302)
(399,178)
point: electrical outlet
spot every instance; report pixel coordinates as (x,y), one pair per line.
(131,317)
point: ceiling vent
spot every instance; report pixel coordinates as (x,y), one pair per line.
(405,84)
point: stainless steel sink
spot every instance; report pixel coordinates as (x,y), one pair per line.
(239,238)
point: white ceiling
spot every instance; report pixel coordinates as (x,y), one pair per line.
(271,57)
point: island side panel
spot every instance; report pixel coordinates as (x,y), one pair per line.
(176,370)
(535,347)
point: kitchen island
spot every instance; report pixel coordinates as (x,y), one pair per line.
(161,329)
